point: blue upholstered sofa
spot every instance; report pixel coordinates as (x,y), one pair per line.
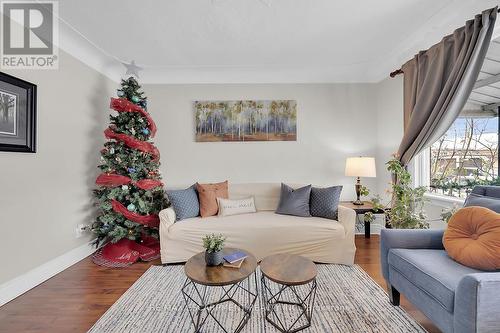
(454,297)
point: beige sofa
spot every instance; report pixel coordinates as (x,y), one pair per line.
(263,233)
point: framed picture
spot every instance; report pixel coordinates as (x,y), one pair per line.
(17,115)
(245,120)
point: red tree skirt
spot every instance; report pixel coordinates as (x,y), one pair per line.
(124,105)
(125,252)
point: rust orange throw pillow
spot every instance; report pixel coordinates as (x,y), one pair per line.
(473,238)
(208,194)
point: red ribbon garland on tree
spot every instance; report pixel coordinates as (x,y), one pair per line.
(133,143)
(124,105)
(113,180)
(147,220)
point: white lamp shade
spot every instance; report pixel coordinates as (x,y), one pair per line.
(360,167)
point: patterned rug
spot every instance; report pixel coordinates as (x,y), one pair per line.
(347,300)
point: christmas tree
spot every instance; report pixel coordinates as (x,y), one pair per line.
(130,193)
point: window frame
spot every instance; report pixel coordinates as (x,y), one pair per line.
(420,169)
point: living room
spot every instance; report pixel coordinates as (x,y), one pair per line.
(253,166)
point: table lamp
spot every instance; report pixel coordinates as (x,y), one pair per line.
(360,167)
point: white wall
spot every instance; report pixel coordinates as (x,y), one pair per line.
(334,121)
(389,94)
(45,195)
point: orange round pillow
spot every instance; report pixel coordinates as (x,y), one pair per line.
(473,238)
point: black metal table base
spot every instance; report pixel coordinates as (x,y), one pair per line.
(201,310)
(273,298)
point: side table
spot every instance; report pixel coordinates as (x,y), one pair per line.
(361,209)
(201,281)
(288,280)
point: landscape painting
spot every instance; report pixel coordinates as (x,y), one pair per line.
(249,120)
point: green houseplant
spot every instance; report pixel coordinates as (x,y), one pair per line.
(407,205)
(213,244)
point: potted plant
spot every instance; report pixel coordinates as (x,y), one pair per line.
(407,206)
(406,209)
(213,244)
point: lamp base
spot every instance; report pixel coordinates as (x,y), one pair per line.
(358,202)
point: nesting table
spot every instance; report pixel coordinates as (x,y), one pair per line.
(288,280)
(204,284)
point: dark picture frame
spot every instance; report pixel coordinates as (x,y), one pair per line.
(17,114)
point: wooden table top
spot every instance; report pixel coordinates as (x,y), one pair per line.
(197,270)
(288,269)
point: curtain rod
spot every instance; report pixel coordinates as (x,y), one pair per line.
(400,71)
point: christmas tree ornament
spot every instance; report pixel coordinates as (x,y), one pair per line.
(122,221)
(145,131)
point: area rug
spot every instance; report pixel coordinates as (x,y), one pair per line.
(347,300)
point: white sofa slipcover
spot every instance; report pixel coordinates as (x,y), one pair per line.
(263,233)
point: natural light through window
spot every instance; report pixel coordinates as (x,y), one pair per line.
(465,156)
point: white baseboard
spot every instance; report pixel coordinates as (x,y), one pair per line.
(21,284)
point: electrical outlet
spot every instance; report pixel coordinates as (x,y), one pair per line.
(80,229)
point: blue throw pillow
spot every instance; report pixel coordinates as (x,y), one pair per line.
(325,201)
(483,201)
(294,202)
(185,203)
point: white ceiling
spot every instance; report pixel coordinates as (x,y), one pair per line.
(250,41)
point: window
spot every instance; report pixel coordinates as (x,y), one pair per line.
(465,156)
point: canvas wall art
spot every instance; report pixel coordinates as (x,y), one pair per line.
(249,120)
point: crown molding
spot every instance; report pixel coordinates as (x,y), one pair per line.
(73,43)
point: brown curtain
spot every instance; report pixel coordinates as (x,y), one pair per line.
(438,82)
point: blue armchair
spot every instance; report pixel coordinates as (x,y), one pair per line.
(458,299)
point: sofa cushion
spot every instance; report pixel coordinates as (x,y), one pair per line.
(483,201)
(473,238)
(234,207)
(294,201)
(184,202)
(208,194)
(431,271)
(325,201)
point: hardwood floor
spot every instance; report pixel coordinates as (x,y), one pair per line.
(74,299)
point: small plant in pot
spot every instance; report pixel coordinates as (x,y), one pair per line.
(213,244)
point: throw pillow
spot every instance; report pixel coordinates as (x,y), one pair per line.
(483,201)
(325,201)
(294,202)
(233,207)
(208,194)
(185,203)
(473,238)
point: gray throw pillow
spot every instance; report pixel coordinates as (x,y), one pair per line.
(294,202)
(325,201)
(185,203)
(483,201)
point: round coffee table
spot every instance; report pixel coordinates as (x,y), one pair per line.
(234,284)
(288,280)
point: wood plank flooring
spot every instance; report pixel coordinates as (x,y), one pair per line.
(74,299)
